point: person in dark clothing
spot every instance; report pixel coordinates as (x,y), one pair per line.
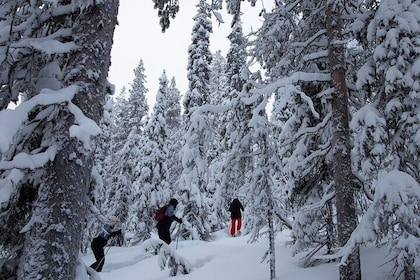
(164,225)
(236,216)
(99,242)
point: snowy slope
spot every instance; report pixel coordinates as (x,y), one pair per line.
(230,258)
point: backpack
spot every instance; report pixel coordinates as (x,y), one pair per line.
(160,213)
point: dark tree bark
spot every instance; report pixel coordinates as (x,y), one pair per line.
(51,246)
(345,203)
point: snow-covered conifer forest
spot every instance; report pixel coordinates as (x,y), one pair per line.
(335,160)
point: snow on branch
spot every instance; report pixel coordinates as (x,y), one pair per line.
(168,257)
(394,212)
(85,127)
(49,44)
(8,184)
(11,120)
(28,161)
(308,42)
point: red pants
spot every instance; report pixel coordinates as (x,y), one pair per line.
(235,225)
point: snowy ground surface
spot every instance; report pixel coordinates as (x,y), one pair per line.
(231,258)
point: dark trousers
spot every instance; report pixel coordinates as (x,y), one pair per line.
(98,244)
(163,231)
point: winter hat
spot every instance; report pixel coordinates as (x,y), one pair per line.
(173,201)
(113,220)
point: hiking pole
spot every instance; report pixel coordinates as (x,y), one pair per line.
(177,238)
(103,258)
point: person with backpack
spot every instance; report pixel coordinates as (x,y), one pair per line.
(165,220)
(100,241)
(236,216)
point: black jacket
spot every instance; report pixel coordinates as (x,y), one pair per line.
(235,209)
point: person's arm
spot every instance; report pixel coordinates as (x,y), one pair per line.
(175,218)
(170,212)
(107,229)
(117,232)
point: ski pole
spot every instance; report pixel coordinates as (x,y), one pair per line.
(177,238)
(103,258)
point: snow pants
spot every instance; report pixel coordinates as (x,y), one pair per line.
(164,231)
(98,244)
(235,225)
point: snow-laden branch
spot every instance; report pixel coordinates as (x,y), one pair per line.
(315,56)
(310,40)
(84,127)
(215,109)
(168,257)
(394,211)
(8,184)
(28,161)
(288,83)
(293,79)
(11,120)
(48,44)
(321,203)
(306,131)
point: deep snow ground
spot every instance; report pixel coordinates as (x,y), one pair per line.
(232,258)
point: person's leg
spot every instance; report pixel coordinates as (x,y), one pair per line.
(97,246)
(167,236)
(101,262)
(239,224)
(232,227)
(164,234)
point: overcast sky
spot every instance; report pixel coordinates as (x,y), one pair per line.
(138,36)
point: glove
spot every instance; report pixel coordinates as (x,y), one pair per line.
(117,232)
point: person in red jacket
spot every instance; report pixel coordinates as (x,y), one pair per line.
(236,216)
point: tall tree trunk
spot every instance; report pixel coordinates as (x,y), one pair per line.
(271,238)
(345,203)
(52,245)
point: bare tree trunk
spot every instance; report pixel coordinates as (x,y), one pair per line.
(271,238)
(52,244)
(345,203)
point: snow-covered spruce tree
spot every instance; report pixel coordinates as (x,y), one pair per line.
(300,71)
(118,190)
(392,218)
(52,57)
(194,178)
(137,102)
(260,189)
(389,80)
(218,81)
(151,187)
(217,149)
(100,175)
(126,144)
(175,133)
(199,61)
(391,73)
(236,164)
(120,129)
(292,48)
